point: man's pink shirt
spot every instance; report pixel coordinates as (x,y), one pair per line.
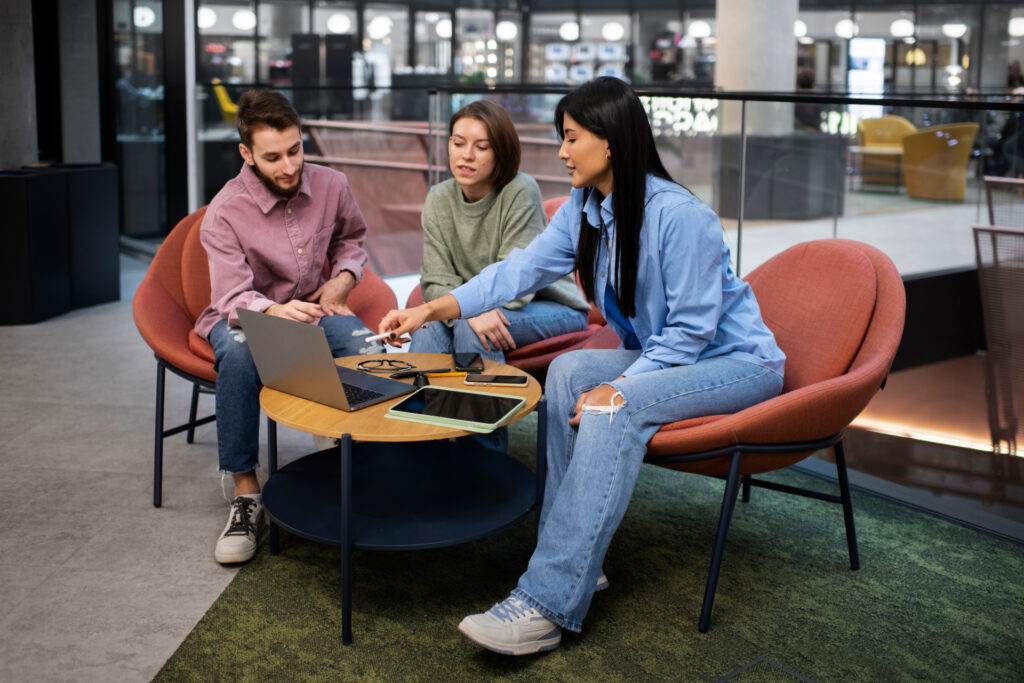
(265,250)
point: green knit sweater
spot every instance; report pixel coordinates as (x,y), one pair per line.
(461,238)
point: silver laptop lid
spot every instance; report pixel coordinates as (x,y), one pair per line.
(293,357)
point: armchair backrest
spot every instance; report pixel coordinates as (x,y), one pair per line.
(823,301)
(888,129)
(552,205)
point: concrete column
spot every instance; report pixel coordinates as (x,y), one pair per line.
(18,141)
(756,52)
(79,81)
(998,55)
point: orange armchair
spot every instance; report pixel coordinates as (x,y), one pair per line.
(836,307)
(173,294)
(935,161)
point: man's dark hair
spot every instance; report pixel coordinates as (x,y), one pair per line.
(501,134)
(264,108)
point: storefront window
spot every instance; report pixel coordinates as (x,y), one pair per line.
(227,41)
(283,30)
(603,48)
(477,56)
(952,32)
(385,41)
(552,35)
(433,31)
(138,56)
(657,54)
(509,34)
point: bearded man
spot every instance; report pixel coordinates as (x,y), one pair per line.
(268,234)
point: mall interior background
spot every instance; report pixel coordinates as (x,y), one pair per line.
(147,89)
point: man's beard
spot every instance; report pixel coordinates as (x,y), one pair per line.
(268,182)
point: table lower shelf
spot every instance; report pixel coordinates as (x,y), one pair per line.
(405,496)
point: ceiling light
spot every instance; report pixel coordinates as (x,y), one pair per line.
(243,20)
(799,29)
(144,16)
(339,23)
(845,28)
(1016,27)
(444,28)
(570,31)
(506,31)
(954,30)
(613,31)
(699,29)
(379,27)
(206,17)
(901,28)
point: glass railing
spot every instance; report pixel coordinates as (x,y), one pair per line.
(778,169)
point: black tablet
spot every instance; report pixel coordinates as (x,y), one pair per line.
(473,411)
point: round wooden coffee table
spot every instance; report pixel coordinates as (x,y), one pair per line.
(394,484)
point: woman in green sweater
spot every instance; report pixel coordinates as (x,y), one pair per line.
(476,218)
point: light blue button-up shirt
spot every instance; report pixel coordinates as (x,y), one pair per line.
(689,303)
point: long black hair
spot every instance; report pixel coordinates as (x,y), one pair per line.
(608,108)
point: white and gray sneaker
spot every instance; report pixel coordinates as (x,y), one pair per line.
(240,537)
(512,627)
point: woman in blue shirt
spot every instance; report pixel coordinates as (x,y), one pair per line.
(654,259)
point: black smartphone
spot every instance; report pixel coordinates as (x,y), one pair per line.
(468,362)
(497,380)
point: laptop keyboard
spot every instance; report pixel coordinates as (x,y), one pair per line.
(357,395)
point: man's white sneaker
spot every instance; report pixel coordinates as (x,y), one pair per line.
(602,583)
(238,541)
(512,628)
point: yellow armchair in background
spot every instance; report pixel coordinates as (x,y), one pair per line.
(228,109)
(935,161)
(880,141)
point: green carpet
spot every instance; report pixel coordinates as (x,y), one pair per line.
(932,602)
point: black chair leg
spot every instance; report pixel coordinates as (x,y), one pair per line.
(190,435)
(728,504)
(844,494)
(746,488)
(158,437)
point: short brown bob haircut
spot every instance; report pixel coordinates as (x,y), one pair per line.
(501,134)
(264,108)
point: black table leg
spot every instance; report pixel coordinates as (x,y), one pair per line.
(346,539)
(275,547)
(542,454)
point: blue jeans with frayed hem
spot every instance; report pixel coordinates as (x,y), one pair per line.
(593,469)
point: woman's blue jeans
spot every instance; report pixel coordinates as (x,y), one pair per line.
(238,385)
(593,469)
(535,321)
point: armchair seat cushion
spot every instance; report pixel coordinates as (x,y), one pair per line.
(200,346)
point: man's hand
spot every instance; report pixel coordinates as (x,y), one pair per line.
(601,395)
(333,294)
(492,328)
(303,311)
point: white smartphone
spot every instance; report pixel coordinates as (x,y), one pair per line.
(497,380)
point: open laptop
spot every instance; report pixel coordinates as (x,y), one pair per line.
(295,358)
